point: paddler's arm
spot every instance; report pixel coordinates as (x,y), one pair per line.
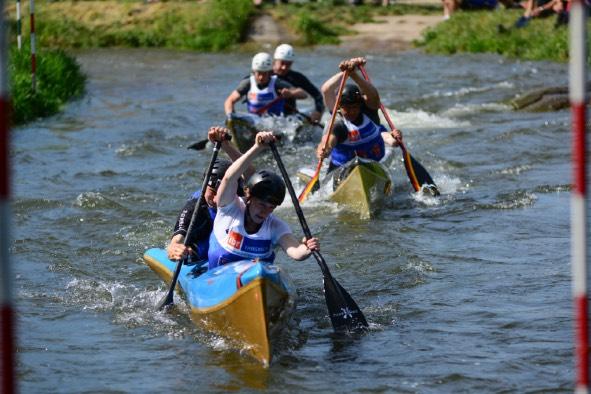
(296,249)
(219,133)
(328,90)
(369,92)
(176,249)
(227,189)
(392,138)
(230,101)
(295,93)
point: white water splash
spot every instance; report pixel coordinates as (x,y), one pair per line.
(468,90)
(459,110)
(419,119)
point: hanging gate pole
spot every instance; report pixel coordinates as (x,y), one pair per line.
(578,99)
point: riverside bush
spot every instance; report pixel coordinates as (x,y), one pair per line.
(212,25)
(58,79)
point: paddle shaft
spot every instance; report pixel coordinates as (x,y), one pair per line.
(333,117)
(298,208)
(169,298)
(409,161)
(344,313)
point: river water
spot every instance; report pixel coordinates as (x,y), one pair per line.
(469,292)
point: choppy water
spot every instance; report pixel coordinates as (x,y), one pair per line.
(466,293)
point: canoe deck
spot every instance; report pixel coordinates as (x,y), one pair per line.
(245,302)
(291,129)
(360,185)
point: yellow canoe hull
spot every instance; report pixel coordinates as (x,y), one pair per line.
(365,187)
(247,315)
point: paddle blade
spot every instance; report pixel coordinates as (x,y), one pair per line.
(344,313)
(169,297)
(199,145)
(419,177)
(309,187)
(166,301)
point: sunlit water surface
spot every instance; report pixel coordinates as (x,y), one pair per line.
(469,292)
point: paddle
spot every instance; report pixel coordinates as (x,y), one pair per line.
(199,145)
(337,103)
(416,172)
(169,297)
(309,119)
(344,313)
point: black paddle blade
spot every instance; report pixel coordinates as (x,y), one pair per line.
(420,178)
(344,313)
(199,145)
(166,301)
(169,297)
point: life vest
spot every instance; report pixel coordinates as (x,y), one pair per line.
(230,242)
(256,99)
(202,230)
(364,141)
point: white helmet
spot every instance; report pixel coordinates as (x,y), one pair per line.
(262,62)
(284,52)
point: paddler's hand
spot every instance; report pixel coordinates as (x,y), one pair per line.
(177,250)
(217,134)
(315,116)
(397,135)
(286,93)
(312,244)
(322,153)
(264,138)
(351,64)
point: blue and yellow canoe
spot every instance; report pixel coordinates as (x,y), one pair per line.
(245,301)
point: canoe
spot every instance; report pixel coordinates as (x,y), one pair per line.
(246,302)
(291,129)
(360,185)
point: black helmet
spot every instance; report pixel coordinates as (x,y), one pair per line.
(220,166)
(267,186)
(351,94)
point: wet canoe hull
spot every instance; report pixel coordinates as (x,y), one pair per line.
(362,185)
(244,302)
(293,128)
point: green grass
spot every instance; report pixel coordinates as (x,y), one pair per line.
(58,78)
(478,32)
(211,25)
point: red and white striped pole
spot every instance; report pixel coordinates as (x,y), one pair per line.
(19,33)
(7,361)
(578,99)
(33,50)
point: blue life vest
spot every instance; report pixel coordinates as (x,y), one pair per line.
(256,99)
(364,141)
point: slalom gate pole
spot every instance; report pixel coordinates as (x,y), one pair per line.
(19,33)
(7,348)
(33,49)
(578,99)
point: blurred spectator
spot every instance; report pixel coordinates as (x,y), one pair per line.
(544,8)
(451,6)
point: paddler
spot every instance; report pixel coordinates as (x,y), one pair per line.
(199,242)
(283,59)
(264,92)
(357,130)
(245,227)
